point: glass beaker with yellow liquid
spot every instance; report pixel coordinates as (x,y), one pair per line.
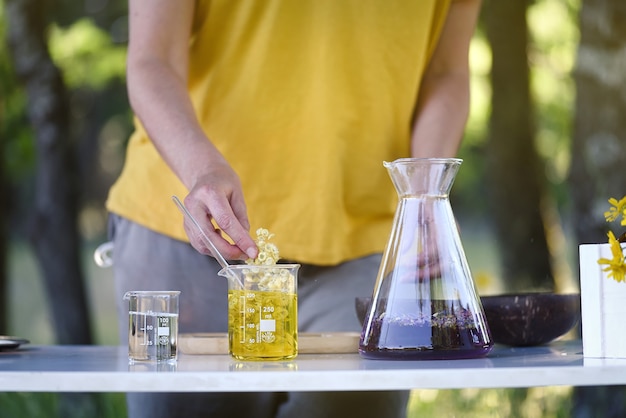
(262,311)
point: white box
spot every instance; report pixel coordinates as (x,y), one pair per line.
(602,304)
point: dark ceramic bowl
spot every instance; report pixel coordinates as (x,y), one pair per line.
(362,304)
(527,319)
(523,319)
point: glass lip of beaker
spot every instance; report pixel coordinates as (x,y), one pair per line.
(262,266)
(423,159)
(149,293)
(239,267)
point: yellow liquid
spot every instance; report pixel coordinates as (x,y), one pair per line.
(262,325)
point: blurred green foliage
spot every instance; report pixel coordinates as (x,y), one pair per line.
(86,55)
(553,39)
(47,405)
(93,67)
(19,149)
(544,402)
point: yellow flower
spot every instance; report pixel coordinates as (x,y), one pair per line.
(618,208)
(615,267)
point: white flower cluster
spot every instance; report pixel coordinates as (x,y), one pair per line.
(268,279)
(268,252)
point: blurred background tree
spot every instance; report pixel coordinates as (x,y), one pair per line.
(53,231)
(72,73)
(517,143)
(514,171)
(599,151)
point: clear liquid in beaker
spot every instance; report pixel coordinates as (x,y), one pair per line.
(152,336)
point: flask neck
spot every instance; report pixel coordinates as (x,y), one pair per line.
(414,177)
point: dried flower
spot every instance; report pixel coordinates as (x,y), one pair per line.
(268,252)
(268,278)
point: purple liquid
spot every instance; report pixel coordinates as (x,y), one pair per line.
(445,336)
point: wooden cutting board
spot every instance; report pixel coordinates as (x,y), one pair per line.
(308,343)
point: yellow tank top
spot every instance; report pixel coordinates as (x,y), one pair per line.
(305,99)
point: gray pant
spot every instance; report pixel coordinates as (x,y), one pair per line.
(145,260)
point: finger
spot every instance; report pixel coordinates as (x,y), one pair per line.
(240,211)
(202,239)
(199,241)
(226,220)
(227,250)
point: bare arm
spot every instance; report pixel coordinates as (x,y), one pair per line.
(157,87)
(443,104)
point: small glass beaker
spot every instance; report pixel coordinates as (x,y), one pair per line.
(262,311)
(152,325)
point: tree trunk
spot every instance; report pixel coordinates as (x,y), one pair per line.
(514,170)
(599,153)
(53,232)
(4,215)
(599,143)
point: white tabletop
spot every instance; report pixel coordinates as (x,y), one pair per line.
(106,369)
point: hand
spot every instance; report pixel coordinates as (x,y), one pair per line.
(421,251)
(419,254)
(217,196)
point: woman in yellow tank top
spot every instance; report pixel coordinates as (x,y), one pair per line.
(278,114)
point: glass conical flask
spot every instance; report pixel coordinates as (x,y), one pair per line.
(424,304)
